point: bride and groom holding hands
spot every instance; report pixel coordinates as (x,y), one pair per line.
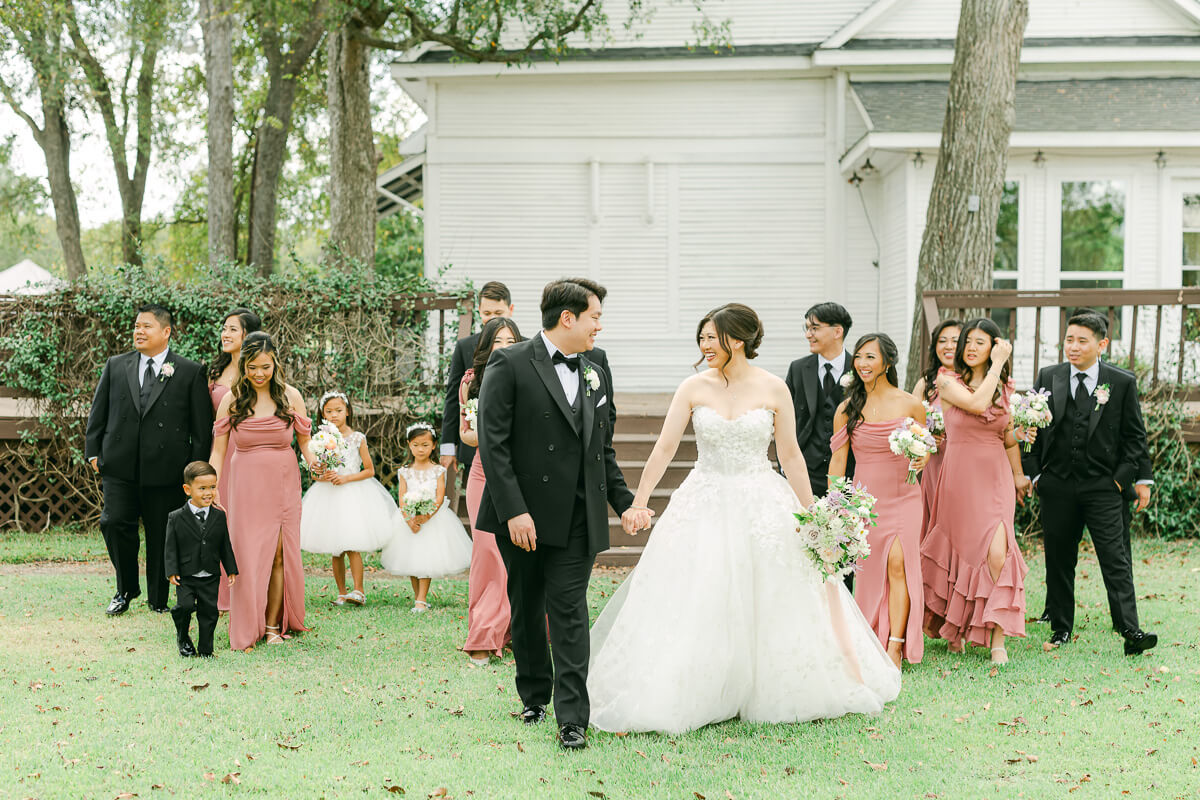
(725,616)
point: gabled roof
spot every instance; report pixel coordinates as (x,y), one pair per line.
(644,53)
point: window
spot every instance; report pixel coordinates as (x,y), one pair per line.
(1093,235)
(1191,240)
(1006,265)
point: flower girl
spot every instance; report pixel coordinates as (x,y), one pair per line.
(346,511)
(428,541)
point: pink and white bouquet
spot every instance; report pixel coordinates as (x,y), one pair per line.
(417,503)
(935,420)
(912,441)
(328,447)
(471,413)
(1031,410)
(833,529)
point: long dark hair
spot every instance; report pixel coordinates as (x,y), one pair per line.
(244,394)
(483,351)
(856,392)
(336,395)
(733,321)
(250,323)
(935,363)
(966,372)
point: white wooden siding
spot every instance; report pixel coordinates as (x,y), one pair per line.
(938,19)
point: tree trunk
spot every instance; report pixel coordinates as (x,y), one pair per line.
(958,246)
(55,141)
(352,163)
(216,20)
(283,71)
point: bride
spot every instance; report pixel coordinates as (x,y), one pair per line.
(725,616)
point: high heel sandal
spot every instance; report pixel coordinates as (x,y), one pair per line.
(1002,658)
(273,635)
(899,640)
(420,607)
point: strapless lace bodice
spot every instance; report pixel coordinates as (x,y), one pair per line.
(732,446)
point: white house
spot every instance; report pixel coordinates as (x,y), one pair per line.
(682,179)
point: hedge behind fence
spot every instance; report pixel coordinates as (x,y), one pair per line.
(335,329)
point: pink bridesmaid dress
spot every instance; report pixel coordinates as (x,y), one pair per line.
(217,392)
(899,507)
(488,614)
(974,497)
(264,505)
(929,477)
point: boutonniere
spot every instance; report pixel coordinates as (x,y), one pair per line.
(593,380)
(847,379)
(168,369)
(1102,392)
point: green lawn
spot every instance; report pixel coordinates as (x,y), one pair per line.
(377,697)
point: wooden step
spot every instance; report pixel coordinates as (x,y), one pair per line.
(637,446)
(619,557)
(673,476)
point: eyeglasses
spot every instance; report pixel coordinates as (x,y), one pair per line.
(815,328)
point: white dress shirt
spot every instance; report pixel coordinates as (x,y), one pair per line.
(568,378)
(1092,377)
(157,361)
(203,512)
(838,364)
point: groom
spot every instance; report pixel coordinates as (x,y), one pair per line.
(1092,452)
(552,473)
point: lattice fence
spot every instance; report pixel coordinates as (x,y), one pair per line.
(34,498)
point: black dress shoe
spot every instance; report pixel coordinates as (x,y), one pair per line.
(1059,638)
(119,605)
(1138,641)
(532,715)
(186,648)
(572,736)
(1045,617)
(159,609)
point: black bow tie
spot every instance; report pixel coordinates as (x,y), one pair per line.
(572,363)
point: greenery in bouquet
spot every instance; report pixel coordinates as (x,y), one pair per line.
(833,529)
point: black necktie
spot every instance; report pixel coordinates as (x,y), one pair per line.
(1081,392)
(827,385)
(572,363)
(200,517)
(147,383)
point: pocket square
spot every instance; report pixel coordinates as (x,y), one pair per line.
(603,400)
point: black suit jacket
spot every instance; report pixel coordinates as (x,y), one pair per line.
(460,361)
(191,548)
(151,445)
(533,455)
(804,383)
(1116,436)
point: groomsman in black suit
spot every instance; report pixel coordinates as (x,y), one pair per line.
(1081,466)
(151,415)
(815,384)
(494,301)
(545,438)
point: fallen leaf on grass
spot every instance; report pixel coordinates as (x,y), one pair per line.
(520,748)
(287,746)
(1152,751)
(600,795)
(199,687)
(394,789)
(232,777)
(208,776)
(698,796)
(158,786)
(126,795)
(880,767)
(640,753)
(439,792)
(359,763)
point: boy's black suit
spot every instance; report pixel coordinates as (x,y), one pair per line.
(1089,455)
(554,460)
(192,548)
(141,447)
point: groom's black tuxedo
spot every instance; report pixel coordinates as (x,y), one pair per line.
(141,453)
(815,409)
(554,460)
(1091,452)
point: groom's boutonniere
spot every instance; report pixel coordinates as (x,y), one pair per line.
(167,371)
(1102,392)
(593,380)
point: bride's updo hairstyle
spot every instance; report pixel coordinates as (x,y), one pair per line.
(856,392)
(735,322)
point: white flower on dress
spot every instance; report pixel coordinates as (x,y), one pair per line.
(168,369)
(847,379)
(593,380)
(1102,393)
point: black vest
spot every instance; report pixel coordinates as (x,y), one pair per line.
(1068,455)
(827,403)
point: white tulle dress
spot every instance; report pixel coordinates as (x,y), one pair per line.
(442,546)
(724,615)
(354,516)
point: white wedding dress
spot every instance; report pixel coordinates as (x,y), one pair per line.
(724,615)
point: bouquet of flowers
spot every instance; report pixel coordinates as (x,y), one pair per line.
(1031,410)
(935,420)
(417,503)
(913,441)
(833,530)
(471,412)
(328,447)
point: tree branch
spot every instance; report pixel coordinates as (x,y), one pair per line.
(11,99)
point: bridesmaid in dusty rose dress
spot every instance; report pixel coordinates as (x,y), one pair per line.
(488,623)
(941,354)
(974,573)
(259,417)
(222,375)
(889,582)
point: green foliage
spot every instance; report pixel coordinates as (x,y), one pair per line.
(400,246)
(1093,225)
(349,329)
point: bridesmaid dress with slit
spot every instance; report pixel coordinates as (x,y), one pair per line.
(929,476)
(974,498)
(217,392)
(264,507)
(898,506)
(488,614)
